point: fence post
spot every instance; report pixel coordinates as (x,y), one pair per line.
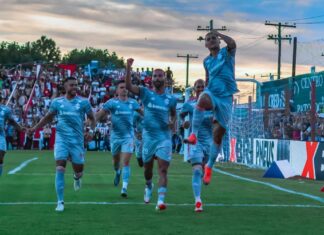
(313,110)
(287,102)
(266,111)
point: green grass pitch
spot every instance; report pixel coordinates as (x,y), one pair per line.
(231,206)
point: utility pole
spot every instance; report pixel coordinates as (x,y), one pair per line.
(294,58)
(188,56)
(278,38)
(209,28)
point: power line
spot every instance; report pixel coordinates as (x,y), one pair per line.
(315,22)
(247,33)
(306,18)
(251,44)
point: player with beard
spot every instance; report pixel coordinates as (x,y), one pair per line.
(70,111)
(159,119)
(221,85)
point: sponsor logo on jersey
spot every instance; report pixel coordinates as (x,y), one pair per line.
(154,106)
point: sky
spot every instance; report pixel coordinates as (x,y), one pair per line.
(154,32)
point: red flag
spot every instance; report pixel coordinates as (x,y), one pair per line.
(71,67)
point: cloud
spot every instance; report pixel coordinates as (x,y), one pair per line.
(155,30)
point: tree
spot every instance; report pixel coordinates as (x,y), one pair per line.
(179,88)
(85,56)
(46,47)
(45,50)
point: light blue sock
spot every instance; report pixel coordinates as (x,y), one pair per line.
(214,151)
(1,167)
(198,116)
(196,182)
(126,175)
(161,192)
(59,184)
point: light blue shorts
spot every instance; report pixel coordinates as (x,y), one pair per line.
(159,148)
(121,146)
(138,148)
(3,143)
(198,153)
(222,108)
(65,151)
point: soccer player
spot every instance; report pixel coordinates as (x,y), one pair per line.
(159,119)
(5,116)
(199,153)
(70,111)
(122,110)
(138,127)
(221,85)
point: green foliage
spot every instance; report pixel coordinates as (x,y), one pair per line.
(47,49)
(177,88)
(83,57)
(43,49)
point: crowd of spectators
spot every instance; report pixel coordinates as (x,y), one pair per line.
(97,87)
(296,126)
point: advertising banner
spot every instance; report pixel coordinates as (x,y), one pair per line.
(307,159)
(264,152)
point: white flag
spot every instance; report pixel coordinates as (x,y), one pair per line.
(38,67)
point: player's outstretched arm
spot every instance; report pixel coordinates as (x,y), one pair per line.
(99,115)
(46,119)
(92,119)
(140,111)
(16,125)
(132,88)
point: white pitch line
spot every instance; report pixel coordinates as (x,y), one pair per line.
(169,204)
(99,174)
(316,198)
(21,166)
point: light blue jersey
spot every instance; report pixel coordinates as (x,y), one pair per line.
(205,130)
(70,116)
(156,130)
(69,139)
(5,114)
(122,113)
(122,131)
(220,71)
(156,113)
(204,138)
